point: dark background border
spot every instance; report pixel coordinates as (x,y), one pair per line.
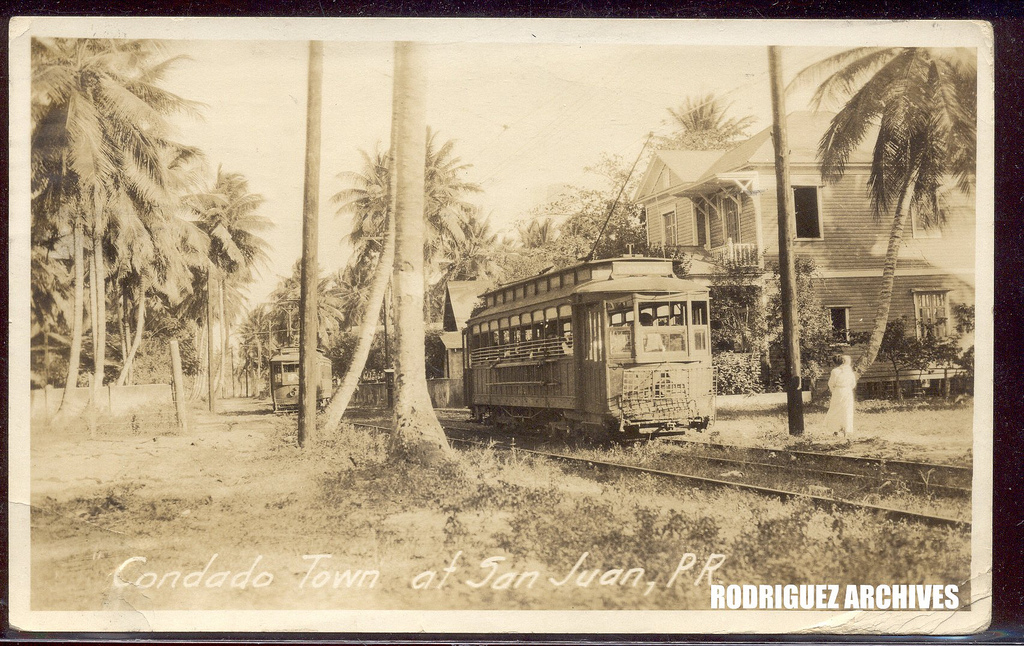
(1007,19)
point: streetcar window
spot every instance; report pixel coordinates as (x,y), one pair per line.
(700,312)
(564,311)
(503,326)
(531,289)
(520,291)
(700,323)
(290,374)
(582,274)
(569,278)
(595,345)
(678,314)
(669,319)
(542,286)
(620,327)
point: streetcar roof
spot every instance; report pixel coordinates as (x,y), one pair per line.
(642,285)
(291,353)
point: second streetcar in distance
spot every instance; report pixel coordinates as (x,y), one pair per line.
(284,379)
(618,346)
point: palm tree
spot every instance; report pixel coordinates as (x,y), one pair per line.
(699,123)
(922,101)
(538,233)
(418,435)
(227,213)
(368,200)
(98,130)
(371,202)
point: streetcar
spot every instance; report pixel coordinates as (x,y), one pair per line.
(284,379)
(619,347)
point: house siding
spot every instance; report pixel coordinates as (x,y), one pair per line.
(684,221)
(860,296)
(853,239)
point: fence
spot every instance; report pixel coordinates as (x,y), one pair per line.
(115,400)
(444,393)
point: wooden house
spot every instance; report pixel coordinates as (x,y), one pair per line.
(721,206)
(460,297)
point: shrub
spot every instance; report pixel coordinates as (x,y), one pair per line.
(738,373)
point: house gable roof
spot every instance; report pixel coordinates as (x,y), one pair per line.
(685,166)
(804,131)
(460,298)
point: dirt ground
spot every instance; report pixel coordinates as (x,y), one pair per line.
(923,430)
(235,494)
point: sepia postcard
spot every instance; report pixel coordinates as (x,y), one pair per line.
(500,326)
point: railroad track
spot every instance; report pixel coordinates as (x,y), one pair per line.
(934,476)
(783,494)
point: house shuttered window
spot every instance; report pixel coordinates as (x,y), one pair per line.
(700,215)
(671,233)
(840,323)
(731,217)
(932,313)
(805,206)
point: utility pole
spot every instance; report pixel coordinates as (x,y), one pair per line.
(787,270)
(308,370)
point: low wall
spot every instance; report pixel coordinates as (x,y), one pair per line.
(444,393)
(116,400)
(751,402)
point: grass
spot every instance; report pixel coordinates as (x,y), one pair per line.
(243,489)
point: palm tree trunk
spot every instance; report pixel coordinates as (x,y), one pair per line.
(367,331)
(136,342)
(78,311)
(223,339)
(418,435)
(888,277)
(100,322)
(200,345)
(211,390)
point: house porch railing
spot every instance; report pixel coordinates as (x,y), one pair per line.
(737,253)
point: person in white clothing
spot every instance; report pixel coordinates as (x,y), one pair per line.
(841,384)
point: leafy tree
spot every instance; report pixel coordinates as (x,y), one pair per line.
(923,102)
(903,350)
(739,323)
(583,211)
(817,339)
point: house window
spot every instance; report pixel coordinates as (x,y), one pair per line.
(930,310)
(840,323)
(700,216)
(671,235)
(731,218)
(805,203)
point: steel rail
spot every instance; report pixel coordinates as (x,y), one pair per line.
(782,494)
(944,472)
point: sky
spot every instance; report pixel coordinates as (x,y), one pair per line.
(526,116)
